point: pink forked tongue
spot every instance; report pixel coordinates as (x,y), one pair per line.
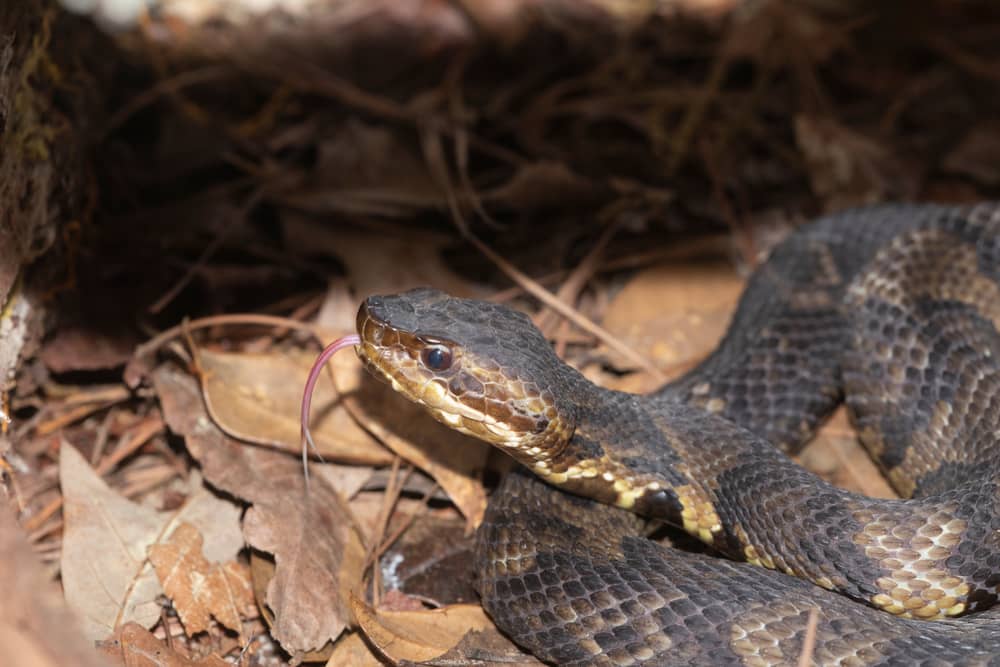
(307,392)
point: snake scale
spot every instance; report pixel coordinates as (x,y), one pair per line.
(892,309)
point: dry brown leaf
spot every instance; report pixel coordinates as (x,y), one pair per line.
(353,651)
(319,557)
(227,463)
(256,397)
(836,455)
(417,636)
(36,628)
(106,576)
(200,589)
(483,648)
(316,545)
(339,308)
(455,461)
(674,313)
(542,184)
(432,560)
(79,348)
(139,648)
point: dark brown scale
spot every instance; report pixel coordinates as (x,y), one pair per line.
(680,608)
(893,308)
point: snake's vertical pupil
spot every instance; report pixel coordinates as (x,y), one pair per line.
(437,358)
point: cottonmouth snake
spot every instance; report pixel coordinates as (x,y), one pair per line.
(893,309)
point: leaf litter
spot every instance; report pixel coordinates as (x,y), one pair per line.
(617,188)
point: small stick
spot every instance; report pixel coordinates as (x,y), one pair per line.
(809,642)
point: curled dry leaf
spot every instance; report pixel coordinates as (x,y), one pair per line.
(417,636)
(352,650)
(199,589)
(106,576)
(137,647)
(317,548)
(483,648)
(256,397)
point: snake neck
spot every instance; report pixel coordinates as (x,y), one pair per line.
(619,452)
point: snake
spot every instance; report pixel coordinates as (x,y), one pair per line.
(892,310)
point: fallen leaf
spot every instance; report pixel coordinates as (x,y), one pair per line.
(395,600)
(353,651)
(199,589)
(106,576)
(139,648)
(432,560)
(455,461)
(836,455)
(348,480)
(339,308)
(36,627)
(484,648)
(256,397)
(79,348)
(319,556)
(418,636)
(673,313)
(368,508)
(545,184)
(317,547)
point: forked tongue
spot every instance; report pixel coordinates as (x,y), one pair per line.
(307,392)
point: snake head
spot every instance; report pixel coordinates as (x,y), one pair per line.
(481,368)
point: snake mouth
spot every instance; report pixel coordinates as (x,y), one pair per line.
(456,396)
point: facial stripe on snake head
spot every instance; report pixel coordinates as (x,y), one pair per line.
(480,369)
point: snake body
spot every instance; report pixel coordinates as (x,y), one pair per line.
(893,309)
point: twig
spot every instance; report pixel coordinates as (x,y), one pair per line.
(435,158)
(809,643)
(569,291)
(167,86)
(76,414)
(128,445)
(168,335)
(696,112)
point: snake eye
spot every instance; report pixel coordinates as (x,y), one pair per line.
(436,358)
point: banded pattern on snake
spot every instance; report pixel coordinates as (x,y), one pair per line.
(894,309)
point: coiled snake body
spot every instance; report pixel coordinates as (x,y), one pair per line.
(894,309)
